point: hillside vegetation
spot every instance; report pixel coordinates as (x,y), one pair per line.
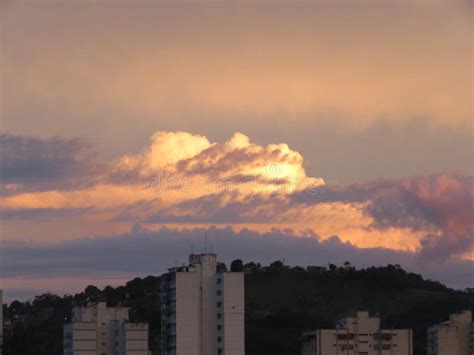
(281,303)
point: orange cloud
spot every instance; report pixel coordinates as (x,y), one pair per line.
(183,179)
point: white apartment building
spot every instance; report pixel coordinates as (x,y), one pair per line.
(99,330)
(454,337)
(359,335)
(202,310)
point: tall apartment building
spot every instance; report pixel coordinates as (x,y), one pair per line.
(202,310)
(454,337)
(359,335)
(98,330)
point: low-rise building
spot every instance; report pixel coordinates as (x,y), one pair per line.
(358,335)
(453,337)
(99,330)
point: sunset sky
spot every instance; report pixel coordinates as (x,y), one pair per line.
(315,132)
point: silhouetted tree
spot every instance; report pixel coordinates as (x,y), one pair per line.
(221,267)
(92,293)
(277,265)
(236,266)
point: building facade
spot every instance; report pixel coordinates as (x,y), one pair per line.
(99,330)
(454,337)
(202,310)
(359,335)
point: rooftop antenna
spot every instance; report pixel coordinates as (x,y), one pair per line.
(215,240)
(192,247)
(205,244)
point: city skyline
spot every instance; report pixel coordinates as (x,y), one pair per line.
(206,305)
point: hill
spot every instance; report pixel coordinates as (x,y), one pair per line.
(281,303)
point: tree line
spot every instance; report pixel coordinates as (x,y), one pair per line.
(281,302)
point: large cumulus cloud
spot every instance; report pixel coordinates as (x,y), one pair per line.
(185,179)
(182,158)
(176,168)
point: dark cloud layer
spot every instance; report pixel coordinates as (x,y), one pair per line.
(35,164)
(216,209)
(42,213)
(151,252)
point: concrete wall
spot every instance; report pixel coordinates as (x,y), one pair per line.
(326,339)
(80,338)
(453,337)
(108,322)
(357,335)
(107,331)
(188,314)
(134,339)
(463,323)
(234,313)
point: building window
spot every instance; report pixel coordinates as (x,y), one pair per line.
(219,339)
(219,315)
(219,327)
(219,304)
(219,292)
(219,281)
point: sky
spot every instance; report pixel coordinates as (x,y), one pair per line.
(312,132)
